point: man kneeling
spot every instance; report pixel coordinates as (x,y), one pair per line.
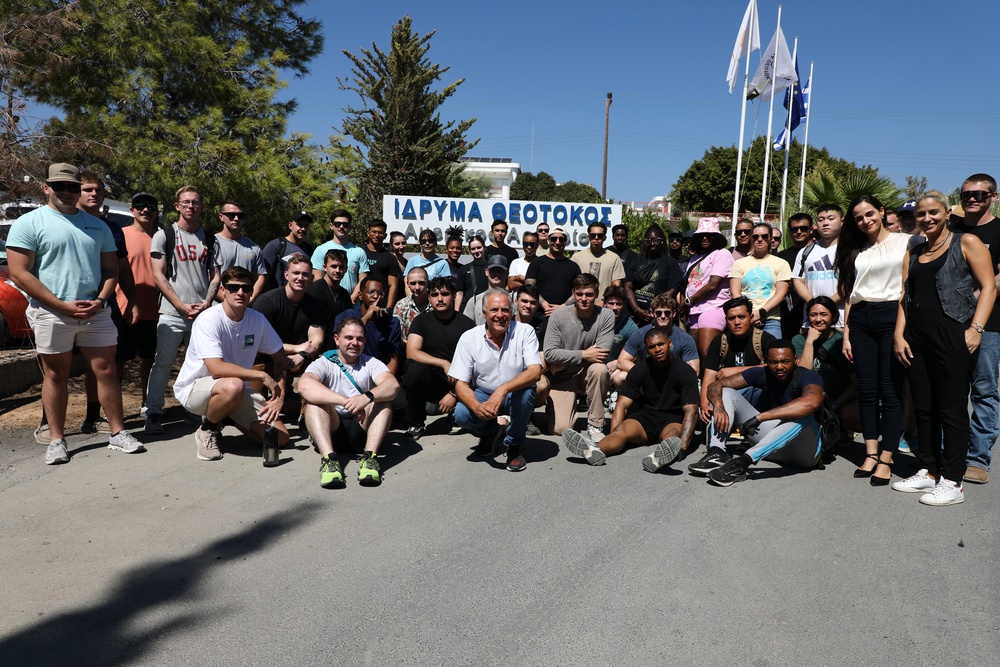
(658,393)
(784,430)
(349,399)
(218,363)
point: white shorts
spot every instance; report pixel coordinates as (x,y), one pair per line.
(56,333)
(245,415)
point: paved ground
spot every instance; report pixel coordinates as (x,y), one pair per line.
(161,559)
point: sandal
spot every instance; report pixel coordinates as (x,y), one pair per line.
(881,481)
(861,473)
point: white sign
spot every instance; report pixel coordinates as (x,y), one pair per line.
(410,215)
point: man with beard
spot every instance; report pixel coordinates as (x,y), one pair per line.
(383,339)
(277,251)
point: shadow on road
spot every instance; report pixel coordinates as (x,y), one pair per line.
(102,634)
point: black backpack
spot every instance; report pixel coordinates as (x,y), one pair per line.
(171,240)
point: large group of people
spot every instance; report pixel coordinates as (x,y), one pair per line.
(885,327)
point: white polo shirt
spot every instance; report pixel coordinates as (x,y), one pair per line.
(479,363)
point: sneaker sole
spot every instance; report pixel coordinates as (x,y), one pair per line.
(665,453)
(716,482)
(369,481)
(335,484)
(703,470)
(577,444)
(55,462)
(119,448)
(953,501)
(516,468)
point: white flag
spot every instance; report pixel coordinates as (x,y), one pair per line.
(747,40)
(767,80)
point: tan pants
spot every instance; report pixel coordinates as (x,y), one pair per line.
(560,408)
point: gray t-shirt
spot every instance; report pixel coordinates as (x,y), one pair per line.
(190,265)
(241,252)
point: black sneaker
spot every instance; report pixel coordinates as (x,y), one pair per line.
(709,462)
(515,460)
(414,432)
(491,445)
(734,470)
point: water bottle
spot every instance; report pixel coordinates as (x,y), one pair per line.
(270,446)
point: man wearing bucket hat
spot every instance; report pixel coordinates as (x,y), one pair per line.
(64,259)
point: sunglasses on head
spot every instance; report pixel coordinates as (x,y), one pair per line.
(975,195)
(238,287)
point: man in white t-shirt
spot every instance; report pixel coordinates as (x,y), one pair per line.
(349,399)
(213,381)
(813,273)
(519,267)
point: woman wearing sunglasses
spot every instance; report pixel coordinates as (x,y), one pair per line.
(434,265)
(763,278)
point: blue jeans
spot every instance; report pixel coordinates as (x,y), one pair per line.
(518,405)
(773,327)
(985,397)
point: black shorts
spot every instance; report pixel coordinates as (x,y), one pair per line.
(351,435)
(653,423)
(136,340)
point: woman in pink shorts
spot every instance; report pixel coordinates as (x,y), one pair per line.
(707,278)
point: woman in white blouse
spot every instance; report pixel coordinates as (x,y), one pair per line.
(869,263)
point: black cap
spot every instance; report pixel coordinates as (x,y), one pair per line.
(301,215)
(144,198)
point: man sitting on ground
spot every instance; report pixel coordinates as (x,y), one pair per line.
(781,427)
(349,400)
(218,364)
(658,403)
(429,350)
(495,369)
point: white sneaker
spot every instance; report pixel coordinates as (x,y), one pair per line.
(583,446)
(123,441)
(42,435)
(207,445)
(919,482)
(946,492)
(665,453)
(595,434)
(56,452)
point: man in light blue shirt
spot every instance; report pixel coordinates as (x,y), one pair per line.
(357,258)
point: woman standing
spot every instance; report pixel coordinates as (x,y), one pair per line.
(869,263)
(471,278)
(938,331)
(707,276)
(763,278)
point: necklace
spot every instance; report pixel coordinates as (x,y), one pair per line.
(939,243)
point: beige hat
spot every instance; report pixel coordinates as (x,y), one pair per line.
(60,172)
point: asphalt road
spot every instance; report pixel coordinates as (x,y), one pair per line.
(161,559)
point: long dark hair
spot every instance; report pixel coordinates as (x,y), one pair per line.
(850,243)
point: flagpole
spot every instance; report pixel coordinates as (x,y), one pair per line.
(788,139)
(751,30)
(770,117)
(805,143)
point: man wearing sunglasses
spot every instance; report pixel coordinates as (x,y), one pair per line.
(234,248)
(744,230)
(357,259)
(519,267)
(435,265)
(214,380)
(64,259)
(597,261)
(553,273)
(979,193)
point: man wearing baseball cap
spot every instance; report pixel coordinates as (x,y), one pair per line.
(277,251)
(496,276)
(64,260)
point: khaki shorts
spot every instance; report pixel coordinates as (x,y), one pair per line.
(56,333)
(245,415)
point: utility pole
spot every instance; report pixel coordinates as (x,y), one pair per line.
(604,177)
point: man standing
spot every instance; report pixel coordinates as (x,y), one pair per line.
(553,273)
(675,247)
(979,192)
(744,230)
(813,272)
(349,400)
(496,278)
(597,261)
(357,259)
(542,229)
(430,347)
(64,260)
(333,298)
(619,246)
(277,251)
(409,307)
(658,404)
(519,267)
(297,317)
(577,342)
(499,245)
(781,427)
(495,369)
(800,228)
(234,248)
(218,364)
(383,339)
(434,265)
(139,337)
(186,275)
(381,263)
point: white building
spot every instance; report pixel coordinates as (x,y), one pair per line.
(501,172)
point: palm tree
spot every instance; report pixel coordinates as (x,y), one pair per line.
(822,187)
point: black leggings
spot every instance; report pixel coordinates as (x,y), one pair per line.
(880,375)
(939,386)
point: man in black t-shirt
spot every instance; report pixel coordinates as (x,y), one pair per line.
(979,192)
(382,263)
(333,298)
(658,403)
(430,346)
(553,273)
(619,236)
(499,245)
(296,316)
(744,348)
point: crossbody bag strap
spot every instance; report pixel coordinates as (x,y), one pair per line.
(335,358)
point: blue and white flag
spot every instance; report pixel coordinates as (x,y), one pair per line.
(799,108)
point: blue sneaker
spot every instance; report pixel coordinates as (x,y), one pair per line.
(904,446)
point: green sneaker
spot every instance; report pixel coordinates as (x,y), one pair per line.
(330,475)
(368,470)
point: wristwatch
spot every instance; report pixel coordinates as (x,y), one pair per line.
(763,314)
(371,396)
(978,327)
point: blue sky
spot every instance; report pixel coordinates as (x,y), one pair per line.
(906,91)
